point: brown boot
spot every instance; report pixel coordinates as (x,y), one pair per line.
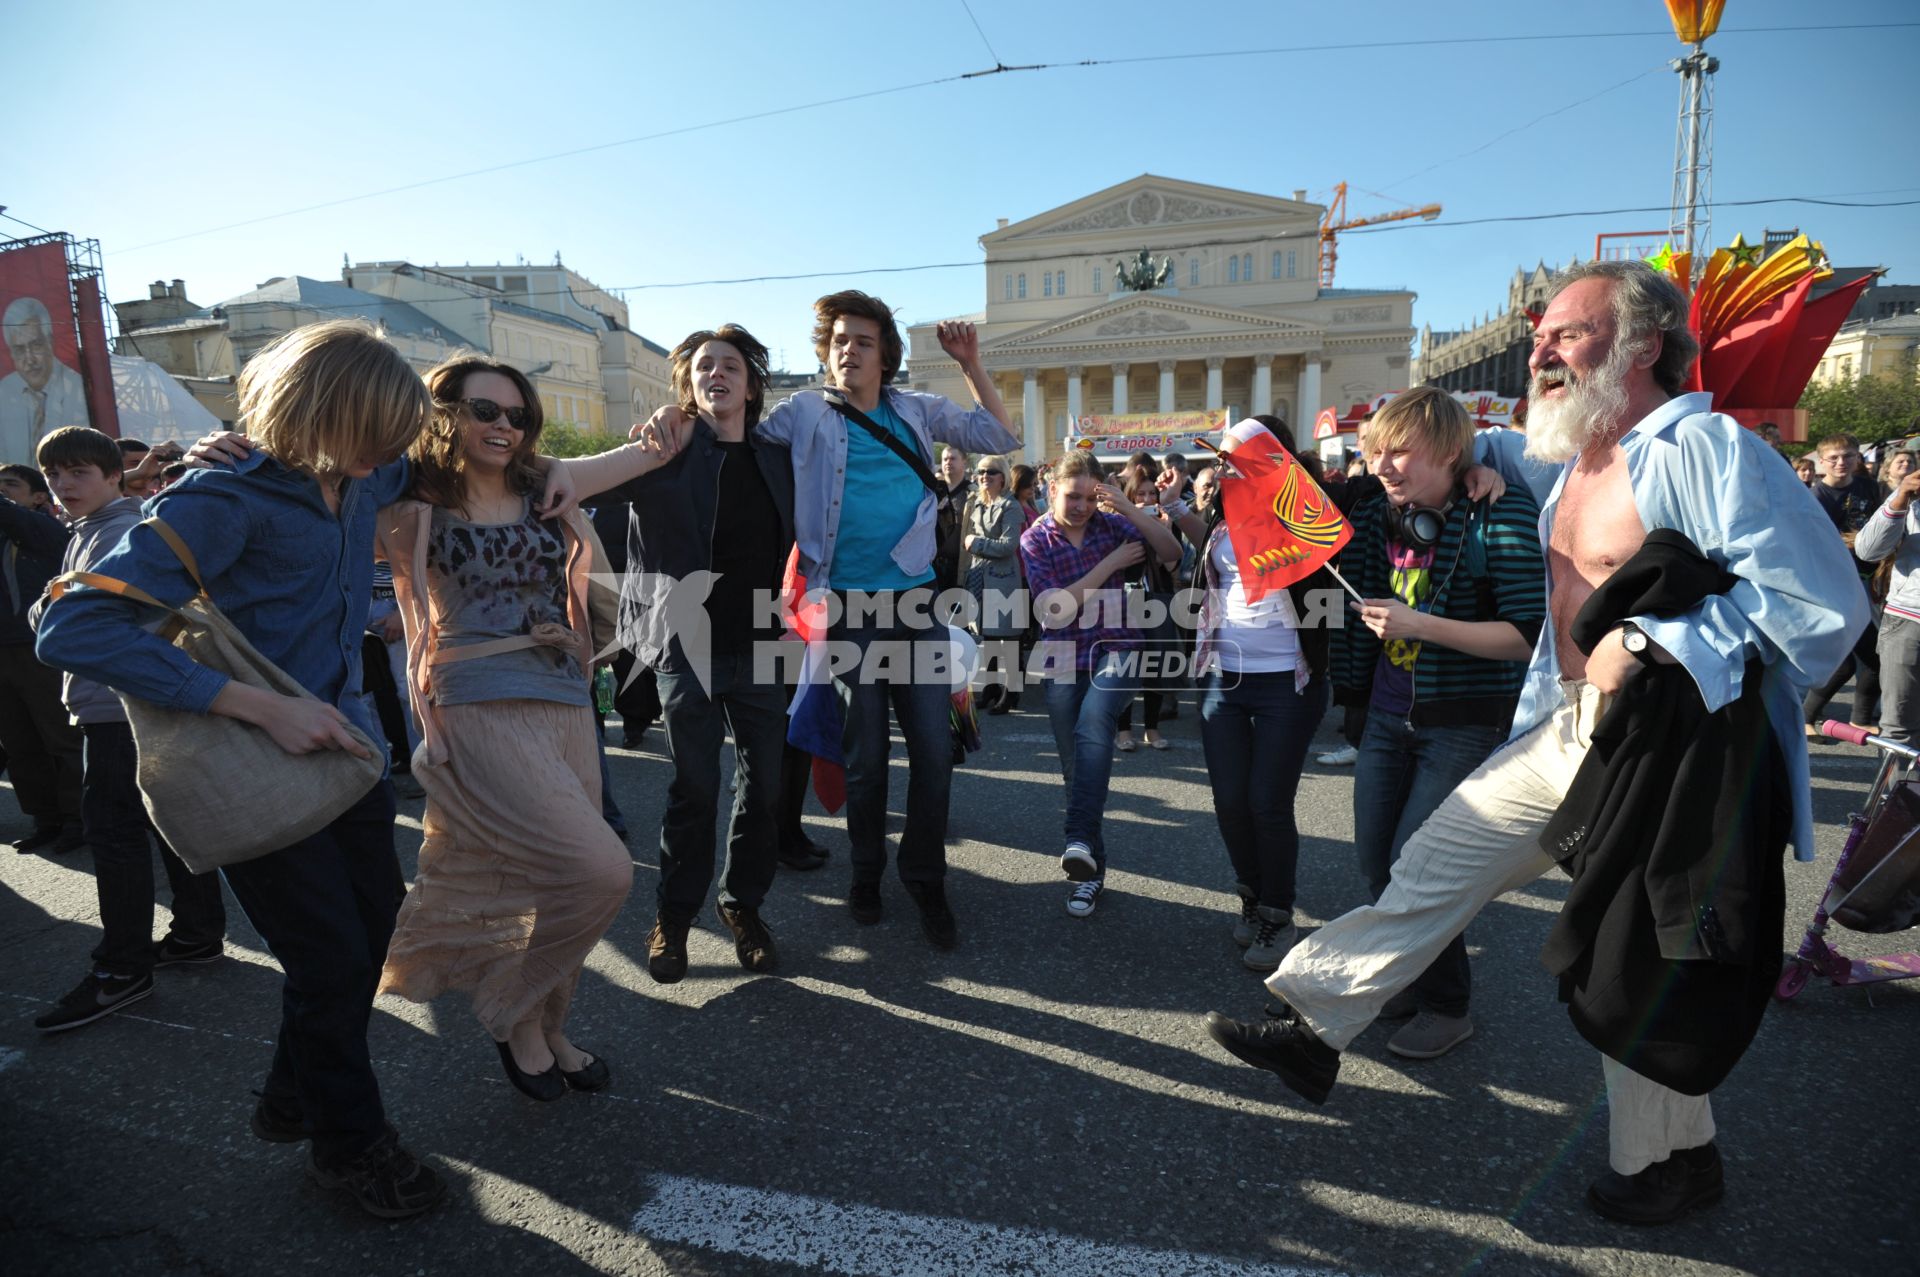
(667,949)
(752,941)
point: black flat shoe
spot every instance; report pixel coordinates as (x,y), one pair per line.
(593,1076)
(544,1087)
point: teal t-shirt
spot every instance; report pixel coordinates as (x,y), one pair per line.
(877,508)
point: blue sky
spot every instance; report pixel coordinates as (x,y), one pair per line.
(139,123)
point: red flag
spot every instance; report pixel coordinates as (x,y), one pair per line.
(1283,526)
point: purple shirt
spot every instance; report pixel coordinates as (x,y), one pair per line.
(1053,563)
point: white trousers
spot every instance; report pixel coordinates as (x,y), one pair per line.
(1480,842)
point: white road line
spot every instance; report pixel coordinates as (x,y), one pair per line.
(10,1056)
(815,1233)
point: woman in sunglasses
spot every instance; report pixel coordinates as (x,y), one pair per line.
(991,539)
(518,875)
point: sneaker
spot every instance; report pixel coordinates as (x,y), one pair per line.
(94,998)
(385,1180)
(1345,756)
(1286,1046)
(667,949)
(406,787)
(1249,924)
(1663,1192)
(1428,1036)
(936,916)
(1077,862)
(1080,900)
(863,902)
(275,1125)
(171,953)
(1275,935)
(752,941)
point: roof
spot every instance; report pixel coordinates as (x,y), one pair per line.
(529,312)
(337,299)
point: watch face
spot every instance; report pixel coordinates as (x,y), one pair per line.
(1635,640)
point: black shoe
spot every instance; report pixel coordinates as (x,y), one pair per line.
(171,953)
(385,1180)
(667,950)
(70,839)
(1663,1192)
(1284,1045)
(633,737)
(55,840)
(272,1123)
(544,1086)
(752,940)
(592,1076)
(802,854)
(936,918)
(1006,704)
(863,902)
(94,998)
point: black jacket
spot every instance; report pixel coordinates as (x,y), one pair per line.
(1673,831)
(31,545)
(670,532)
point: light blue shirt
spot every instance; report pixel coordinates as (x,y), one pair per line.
(817,438)
(1797,604)
(884,495)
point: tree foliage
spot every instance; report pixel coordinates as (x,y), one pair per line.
(566,439)
(1883,406)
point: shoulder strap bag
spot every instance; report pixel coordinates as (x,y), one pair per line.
(946,525)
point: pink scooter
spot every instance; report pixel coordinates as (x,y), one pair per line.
(1876,886)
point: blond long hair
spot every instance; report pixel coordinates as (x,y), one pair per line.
(329,396)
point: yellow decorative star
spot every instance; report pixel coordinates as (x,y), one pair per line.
(1745,254)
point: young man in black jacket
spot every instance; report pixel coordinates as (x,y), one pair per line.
(707,543)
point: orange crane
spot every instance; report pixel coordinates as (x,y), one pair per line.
(1336,221)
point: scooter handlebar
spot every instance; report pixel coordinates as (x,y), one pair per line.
(1847,732)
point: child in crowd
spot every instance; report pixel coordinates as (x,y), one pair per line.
(82,467)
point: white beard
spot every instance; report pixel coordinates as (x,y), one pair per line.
(1589,409)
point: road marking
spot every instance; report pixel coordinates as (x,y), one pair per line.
(10,1056)
(815,1233)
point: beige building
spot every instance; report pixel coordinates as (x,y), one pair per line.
(1241,323)
(1493,354)
(1872,348)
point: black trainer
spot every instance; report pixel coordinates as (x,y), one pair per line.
(863,902)
(94,998)
(667,949)
(1284,1045)
(171,953)
(752,940)
(275,1124)
(1663,1192)
(385,1180)
(936,917)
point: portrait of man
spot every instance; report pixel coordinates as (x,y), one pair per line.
(41,393)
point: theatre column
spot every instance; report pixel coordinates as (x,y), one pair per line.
(1033,429)
(1120,389)
(1166,384)
(1073,394)
(1307,402)
(1214,392)
(1262,385)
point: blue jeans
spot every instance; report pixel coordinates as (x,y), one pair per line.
(325,907)
(1256,730)
(697,720)
(1084,712)
(117,829)
(924,711)
(1403,773)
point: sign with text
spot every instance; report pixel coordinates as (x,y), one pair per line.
(1147,431)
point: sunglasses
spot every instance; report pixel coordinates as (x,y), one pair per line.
(486,412)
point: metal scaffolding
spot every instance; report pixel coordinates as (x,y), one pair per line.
(1692,217)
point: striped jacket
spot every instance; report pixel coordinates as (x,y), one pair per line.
(1486,567)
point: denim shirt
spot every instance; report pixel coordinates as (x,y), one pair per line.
(294,578)
(817,436)
(1797,605)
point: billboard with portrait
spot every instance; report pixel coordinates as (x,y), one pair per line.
(41,387)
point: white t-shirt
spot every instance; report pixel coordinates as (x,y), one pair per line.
(1252,638)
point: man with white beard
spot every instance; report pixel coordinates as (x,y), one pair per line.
(1610,357)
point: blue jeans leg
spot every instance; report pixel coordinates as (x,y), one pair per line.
(1084,714)
(1402,775)
(1255,729)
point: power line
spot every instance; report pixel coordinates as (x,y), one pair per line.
(999,68)
(1610,212)
(983,35)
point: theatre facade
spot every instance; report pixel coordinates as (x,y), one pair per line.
(1239,322)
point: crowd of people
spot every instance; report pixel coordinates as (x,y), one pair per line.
(1550,635)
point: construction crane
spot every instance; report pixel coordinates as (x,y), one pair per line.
(1336,221)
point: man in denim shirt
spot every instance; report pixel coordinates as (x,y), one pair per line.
(864,524)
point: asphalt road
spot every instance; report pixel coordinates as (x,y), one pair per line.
(1041,1101)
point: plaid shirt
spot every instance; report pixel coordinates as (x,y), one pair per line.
(1053,563)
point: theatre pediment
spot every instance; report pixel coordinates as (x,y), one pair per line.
(1149,204)
(1154,317)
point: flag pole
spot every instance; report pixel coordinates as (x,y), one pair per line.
(1346,585)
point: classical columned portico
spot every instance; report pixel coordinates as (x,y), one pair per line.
(1120,371)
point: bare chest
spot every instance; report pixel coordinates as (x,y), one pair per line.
(1596,526)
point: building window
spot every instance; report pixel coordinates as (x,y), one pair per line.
(1097,289)
(1290,273)
(1023,286)
(1276,264)
(1233,270)
(1006,287)
(1193,272)
(1060,283)
(1246,268)
(1046,283)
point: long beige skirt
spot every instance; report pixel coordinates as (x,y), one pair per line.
(519,876)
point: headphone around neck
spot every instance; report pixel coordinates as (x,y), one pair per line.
(1418,527)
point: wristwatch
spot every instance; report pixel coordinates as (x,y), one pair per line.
(1635,640)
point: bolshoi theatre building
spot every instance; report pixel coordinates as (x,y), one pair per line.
(1239,322)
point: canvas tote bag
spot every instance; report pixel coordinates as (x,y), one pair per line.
(220,791)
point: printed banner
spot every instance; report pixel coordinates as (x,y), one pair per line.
(1147,431)
(41,388)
